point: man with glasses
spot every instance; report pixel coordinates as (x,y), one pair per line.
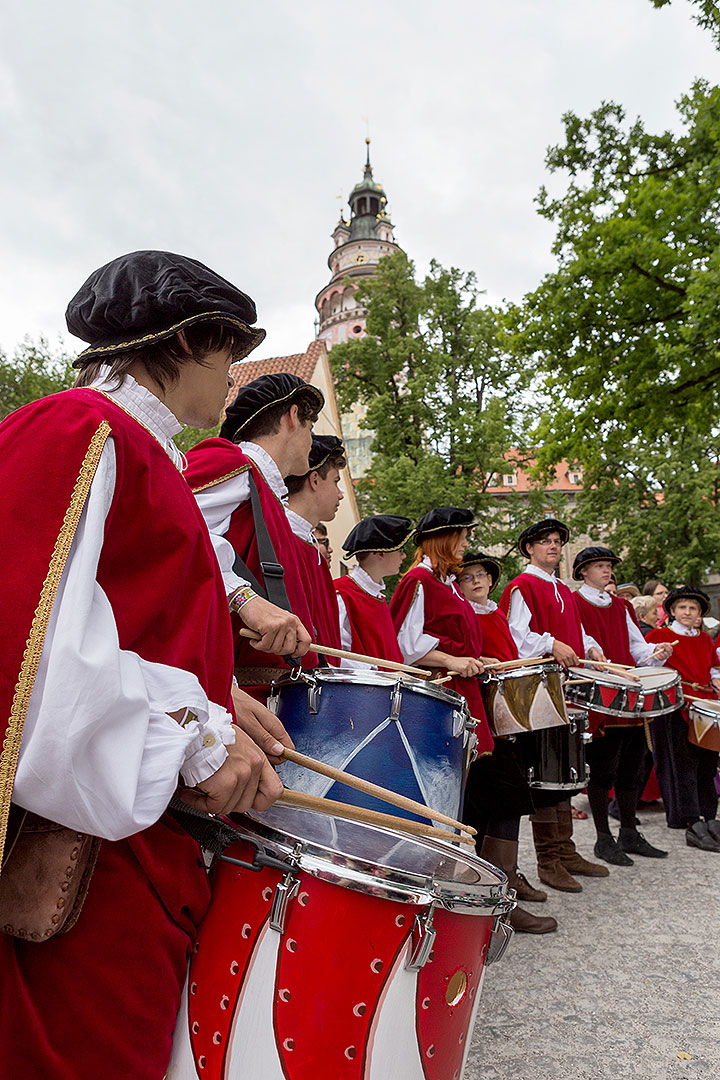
(544,621)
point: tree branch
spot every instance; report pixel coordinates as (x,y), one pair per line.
(669,285)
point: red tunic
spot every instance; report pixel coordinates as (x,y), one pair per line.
(450,618)
(548,614)
(608,625)
(119,972)
(321,596)
(692,657)
(210,463)
(497,640)
(373,632)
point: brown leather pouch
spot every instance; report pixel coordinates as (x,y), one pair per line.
(45,877)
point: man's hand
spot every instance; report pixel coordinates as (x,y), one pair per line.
(281,632)
(565,655)
(663,651)
(246,780)
(261,725)
(466,666)
(595,654)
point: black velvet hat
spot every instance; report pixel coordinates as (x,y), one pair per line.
(147,296)
(444,519)
(588,555)
(540,529)
(262,393)
(321,449)
(381,532)
(686,592)
(478,558)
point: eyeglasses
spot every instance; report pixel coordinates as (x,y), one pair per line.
(546,541)
(324,540)
(469,578)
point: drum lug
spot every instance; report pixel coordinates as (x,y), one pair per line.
(285,891)
(314,691)
(396,703)
(573,773)
(530,774)
(544,676)
(500,937)
(573,725)
(273,699)
(472,746)
(423,944)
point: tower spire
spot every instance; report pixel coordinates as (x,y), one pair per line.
(368,167)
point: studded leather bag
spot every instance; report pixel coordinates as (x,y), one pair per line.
(45,877)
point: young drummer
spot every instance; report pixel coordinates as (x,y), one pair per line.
(435,624)
(497,793)
(366,626)
(616,754)
(686,772)
(117,665)
(313,498)
(544,622)
(266,434)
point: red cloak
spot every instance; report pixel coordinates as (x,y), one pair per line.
(608,625)
(497,640)
(321,596)
(373,632)
(549,614)
(693,657)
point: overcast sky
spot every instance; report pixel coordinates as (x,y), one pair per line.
(226,130)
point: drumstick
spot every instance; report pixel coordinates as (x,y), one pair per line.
(619,669)
(576,682)
(508,665)
(659,644)
(369,817)
(325,650)
(373,789)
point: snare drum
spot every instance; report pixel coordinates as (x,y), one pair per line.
(657,690)
(396,731)
(363,959)
(704,724)
(524,699)
(555,757)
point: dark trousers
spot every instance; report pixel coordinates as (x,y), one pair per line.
(685,772)
(616,758)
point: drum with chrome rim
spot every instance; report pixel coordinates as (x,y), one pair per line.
(524,699)
(402,733)
(704,724)
(555,757)
(360,956)
(657,690)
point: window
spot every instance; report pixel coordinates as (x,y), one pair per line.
(509,479)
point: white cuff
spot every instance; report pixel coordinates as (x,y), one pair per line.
(206,751)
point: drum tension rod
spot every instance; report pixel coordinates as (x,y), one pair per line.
(261,859)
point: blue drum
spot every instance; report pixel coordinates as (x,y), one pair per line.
(402,733)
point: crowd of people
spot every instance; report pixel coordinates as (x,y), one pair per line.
(129,676)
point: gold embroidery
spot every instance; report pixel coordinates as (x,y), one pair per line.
(220,479)
(133,417)
(34,645)
(218,316)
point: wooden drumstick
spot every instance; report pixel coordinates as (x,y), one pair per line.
(368,817)
(508,665)
(325,650)
(373,789)
(619,669)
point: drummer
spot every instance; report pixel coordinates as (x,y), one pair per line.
(436,627)
(686,772)
(313,497)
(366,626)
(544,622)
(617,752)
(497,794)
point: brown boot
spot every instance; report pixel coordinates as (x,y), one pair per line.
(525,923)
(503,853)
(570,857)
(527,892)
(550,870)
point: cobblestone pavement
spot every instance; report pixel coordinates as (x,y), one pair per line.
(628,985)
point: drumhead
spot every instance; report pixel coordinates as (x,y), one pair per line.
(365,858)
(708,708)
(658,678)
(388,679)
(605,678)
(549,667)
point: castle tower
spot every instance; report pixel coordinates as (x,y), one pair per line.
(360,243)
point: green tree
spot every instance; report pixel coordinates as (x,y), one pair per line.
(707,15)
(34,371)
(444,401)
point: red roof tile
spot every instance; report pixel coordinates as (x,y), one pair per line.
(302,364)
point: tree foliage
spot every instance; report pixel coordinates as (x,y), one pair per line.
(706,15)
(34,371)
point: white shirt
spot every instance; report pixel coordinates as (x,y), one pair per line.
(302,528)
(528,642)
(99,753)
(373,588)
(692,631)
(413,641)
(483,609)
(641,650)
(218,504)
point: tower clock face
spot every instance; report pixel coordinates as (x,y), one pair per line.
(361,257)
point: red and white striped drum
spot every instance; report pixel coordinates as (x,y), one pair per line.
(363,961)
(654,691)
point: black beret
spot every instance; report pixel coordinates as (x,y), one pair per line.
(382,532)
(263,393)
(444,519)
(539,529)
(147,296)
(478,558)
(687,592)
(321,449)
(595,553)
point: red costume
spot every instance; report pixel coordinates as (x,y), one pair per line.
(321,596)
(67,1009)
(450,618)
(693,657)
(549,613)
(373,631)
(210,463)
(497,640)
(608,625)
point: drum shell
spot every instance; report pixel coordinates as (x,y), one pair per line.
(704,725)
(524,699)
(555,757)
(417,740)
(624,701)
(333,992)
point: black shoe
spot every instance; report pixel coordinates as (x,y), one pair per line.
(699,836)
(713,828)
(634,842)
(606,848)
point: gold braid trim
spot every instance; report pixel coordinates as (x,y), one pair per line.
(220,479)
(33,649)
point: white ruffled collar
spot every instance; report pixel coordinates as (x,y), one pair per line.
(146,408)
(260,457)
(366,583)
